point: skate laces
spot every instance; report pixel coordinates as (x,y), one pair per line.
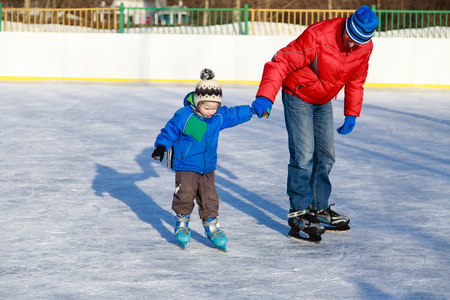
(329,211)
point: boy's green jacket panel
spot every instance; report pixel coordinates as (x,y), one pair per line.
(195,138)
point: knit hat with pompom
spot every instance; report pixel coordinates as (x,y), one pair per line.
(362,25)
(207,89)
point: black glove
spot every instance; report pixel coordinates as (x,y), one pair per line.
(158,154)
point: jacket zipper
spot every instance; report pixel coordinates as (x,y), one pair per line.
(187,151)
(206,148)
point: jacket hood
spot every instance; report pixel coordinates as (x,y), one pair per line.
(189,99)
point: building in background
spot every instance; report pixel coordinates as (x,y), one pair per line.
(136,12)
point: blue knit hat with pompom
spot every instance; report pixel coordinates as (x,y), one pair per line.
(362,25)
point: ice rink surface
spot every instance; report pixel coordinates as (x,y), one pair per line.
(86,213)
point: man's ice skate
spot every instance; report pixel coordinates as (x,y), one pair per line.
(182,231)
(214,234)
(331,220)
(305,226)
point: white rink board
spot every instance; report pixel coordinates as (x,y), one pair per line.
(164,57)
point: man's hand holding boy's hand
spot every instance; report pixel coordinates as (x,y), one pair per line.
(262,107)
(158,154)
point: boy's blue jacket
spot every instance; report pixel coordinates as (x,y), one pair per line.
(195,138)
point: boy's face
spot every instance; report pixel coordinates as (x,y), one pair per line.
(208,109)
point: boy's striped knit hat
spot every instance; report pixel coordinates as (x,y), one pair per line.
(207,89)
(362,25)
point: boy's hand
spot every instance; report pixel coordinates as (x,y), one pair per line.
(261,107)
(158,154)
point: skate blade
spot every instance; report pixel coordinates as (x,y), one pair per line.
(336,228)
(312,238)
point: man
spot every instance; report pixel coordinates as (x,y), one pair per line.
(312,70)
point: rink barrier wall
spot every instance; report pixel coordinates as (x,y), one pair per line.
(395,62)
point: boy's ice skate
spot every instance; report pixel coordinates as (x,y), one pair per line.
(331,220)
(305,226)
(182,231)
(214,234)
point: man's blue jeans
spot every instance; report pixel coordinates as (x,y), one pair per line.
(311,147)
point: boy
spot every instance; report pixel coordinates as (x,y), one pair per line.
(193,132)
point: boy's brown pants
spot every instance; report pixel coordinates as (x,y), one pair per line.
(202,188)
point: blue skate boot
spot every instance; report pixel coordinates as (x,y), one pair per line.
(214,234)
(182,231)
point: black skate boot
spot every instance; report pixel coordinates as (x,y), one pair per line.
(331,220)
(305,226)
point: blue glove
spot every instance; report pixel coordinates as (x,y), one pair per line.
(349,124)
(262,107)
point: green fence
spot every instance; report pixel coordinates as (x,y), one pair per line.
(247,21)
(185,20)
(218,21)
(422,24)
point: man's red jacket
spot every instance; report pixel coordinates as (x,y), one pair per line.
(317,65)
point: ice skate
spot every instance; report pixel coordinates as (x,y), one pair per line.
(182,231)
(304,226)
(214,234)
(331,220)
